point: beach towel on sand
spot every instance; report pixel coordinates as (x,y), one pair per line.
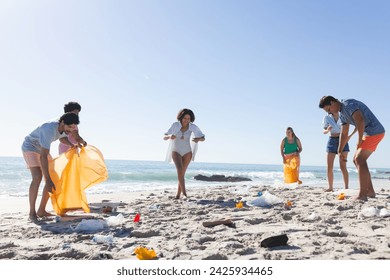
(72,173)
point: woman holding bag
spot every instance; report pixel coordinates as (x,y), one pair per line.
(290,149)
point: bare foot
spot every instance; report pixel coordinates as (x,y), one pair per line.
(361,198)
(33,219)
(44,214)
(371,195)
(328,190)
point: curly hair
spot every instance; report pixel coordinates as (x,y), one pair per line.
(184,112)
(71,106)
(70,118)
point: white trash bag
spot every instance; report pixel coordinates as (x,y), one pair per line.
(90,226)
(265,200)
(114,221)
(384,213)
(369,212)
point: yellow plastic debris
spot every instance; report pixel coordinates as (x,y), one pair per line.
(341,196)
(143,253)
(239,204)
(72,173)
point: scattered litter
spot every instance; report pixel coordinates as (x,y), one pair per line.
(312,217)
(113,221)
(103,239)
(228,223)
(274,241)
(154,207)
(341,196)
(137,218)
(369,212)
(107,209)
(65,246)
(90,226)
(384,213)
(287,205)
(266,200)
(143,253)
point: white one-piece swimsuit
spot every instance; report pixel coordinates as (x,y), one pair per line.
(182,146)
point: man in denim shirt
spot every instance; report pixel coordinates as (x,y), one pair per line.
(370,132)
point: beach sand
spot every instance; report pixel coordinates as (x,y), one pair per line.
(318,226)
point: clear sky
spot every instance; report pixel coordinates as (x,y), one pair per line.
(248,70)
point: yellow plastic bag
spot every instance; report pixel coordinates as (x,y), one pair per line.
(143,253)
(291,170)
(72,173)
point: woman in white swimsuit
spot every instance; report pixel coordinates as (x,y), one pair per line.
(180,133)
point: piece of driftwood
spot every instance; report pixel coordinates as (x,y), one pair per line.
(220,178)
(219,222)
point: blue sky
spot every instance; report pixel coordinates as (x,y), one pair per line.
(248,70)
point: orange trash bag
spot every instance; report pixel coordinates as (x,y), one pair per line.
(72,173)
(291,170)
(143,253)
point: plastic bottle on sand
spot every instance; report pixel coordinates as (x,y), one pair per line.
(103,239)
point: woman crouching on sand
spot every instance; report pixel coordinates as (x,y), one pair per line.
(180,133)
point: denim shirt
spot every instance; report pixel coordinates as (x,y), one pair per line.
(371,124)
(330,121)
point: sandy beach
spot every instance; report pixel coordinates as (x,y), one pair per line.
(207,226)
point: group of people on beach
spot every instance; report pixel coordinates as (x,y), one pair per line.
(36,153)
(340,115)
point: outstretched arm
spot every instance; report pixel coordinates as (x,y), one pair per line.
(78,138)
(169,136)
(328,129)
(49,185)
(199,139)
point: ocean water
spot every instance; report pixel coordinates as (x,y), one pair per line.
(130,176)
